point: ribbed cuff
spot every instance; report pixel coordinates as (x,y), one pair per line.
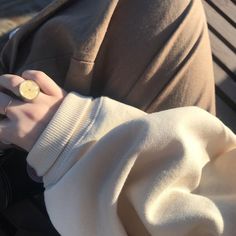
(70,115)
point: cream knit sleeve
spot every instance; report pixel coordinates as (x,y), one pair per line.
(111,170)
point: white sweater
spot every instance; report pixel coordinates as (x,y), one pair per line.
(112,170)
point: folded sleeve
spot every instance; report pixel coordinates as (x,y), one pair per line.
(111,169)
(78,120)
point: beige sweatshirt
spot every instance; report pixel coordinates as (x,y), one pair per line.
(110,169)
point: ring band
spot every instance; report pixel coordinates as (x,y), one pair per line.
(6,107)
(29,90)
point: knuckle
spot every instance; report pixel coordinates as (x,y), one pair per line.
(14,81)
(34,74)
(38,74)
(34,113)
(31,115)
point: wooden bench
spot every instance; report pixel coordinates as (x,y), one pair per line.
(221,17)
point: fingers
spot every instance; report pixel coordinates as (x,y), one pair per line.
(11,83)
(6,102)
(46,84)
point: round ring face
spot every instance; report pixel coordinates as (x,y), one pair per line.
(29,90)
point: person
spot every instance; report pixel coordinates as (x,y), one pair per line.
(116,155)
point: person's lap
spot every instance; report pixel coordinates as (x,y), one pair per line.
(164,64)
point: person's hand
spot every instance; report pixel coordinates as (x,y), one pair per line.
(25,121)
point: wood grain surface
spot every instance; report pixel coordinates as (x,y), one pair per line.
(221,17)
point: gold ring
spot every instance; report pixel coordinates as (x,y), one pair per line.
(29,90)
(6,107)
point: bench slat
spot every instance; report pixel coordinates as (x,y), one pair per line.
(225,7)
(226,56)
(225,83)
(225,113)
(222,26)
